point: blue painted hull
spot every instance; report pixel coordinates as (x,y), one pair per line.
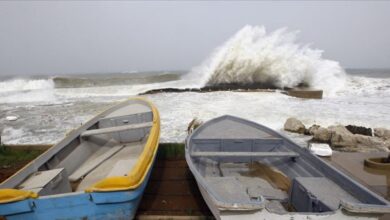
(96,205)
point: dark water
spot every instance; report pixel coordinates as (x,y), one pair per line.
(372,73)
(98,80)
(102,79)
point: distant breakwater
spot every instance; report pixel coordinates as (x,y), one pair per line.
(299,92)
(200,90)
(216,88)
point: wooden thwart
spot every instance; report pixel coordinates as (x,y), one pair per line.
(243,154)
(115,129)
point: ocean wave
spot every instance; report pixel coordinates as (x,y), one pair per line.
(25,85)
(86,81)
(105,80)
(366,86)
(253,56)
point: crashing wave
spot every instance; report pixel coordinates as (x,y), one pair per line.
(253,56)
(25,85)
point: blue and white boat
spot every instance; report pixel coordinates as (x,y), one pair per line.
(98,171)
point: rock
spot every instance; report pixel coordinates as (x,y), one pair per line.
(294,125)
(344,139)
(341,137)
(382,133)
(193,125)
(387,144)
(370,142)
(359,130)
(321,135)
(312,130)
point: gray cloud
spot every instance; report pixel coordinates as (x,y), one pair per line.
(84,36)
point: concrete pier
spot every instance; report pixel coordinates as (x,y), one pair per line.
(305,93)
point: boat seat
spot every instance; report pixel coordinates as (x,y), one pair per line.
(115,129)
(47,182)
(228,189)
(275,206)
(268,193)
(243,154)
(317,194)
(94,161)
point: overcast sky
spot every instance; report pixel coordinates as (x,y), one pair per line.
(85,36)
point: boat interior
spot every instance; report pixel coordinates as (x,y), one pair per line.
(108,146)
(239,162)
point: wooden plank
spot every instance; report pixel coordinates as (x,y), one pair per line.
(173,193)
(243,154)
(115,129)
(172,217)
(89,165)
(40,179)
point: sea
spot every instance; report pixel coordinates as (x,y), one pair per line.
(42,109)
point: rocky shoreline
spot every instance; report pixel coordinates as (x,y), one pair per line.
(348,138)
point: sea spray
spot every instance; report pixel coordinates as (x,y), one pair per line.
(253,56)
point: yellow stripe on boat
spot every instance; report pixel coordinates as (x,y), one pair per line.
(137,175)
(13,195)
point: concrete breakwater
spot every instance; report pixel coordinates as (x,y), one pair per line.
(296,92)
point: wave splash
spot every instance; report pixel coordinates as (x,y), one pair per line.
(253,56)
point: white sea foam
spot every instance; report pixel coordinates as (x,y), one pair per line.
(14,136)
(25,84)
(254,56)
(32,96)
(366,86)
(270,109)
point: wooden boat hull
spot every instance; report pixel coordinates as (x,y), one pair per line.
(125,157)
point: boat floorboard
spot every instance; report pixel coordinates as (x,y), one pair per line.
(130,151)
(172,191)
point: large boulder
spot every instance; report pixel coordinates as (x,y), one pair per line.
(382,133)
(294,125)
(370,142)
(387,144)
(341,137)
(359,130)
(312,129)
(321,135)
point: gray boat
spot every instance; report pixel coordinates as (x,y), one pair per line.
(246,170)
